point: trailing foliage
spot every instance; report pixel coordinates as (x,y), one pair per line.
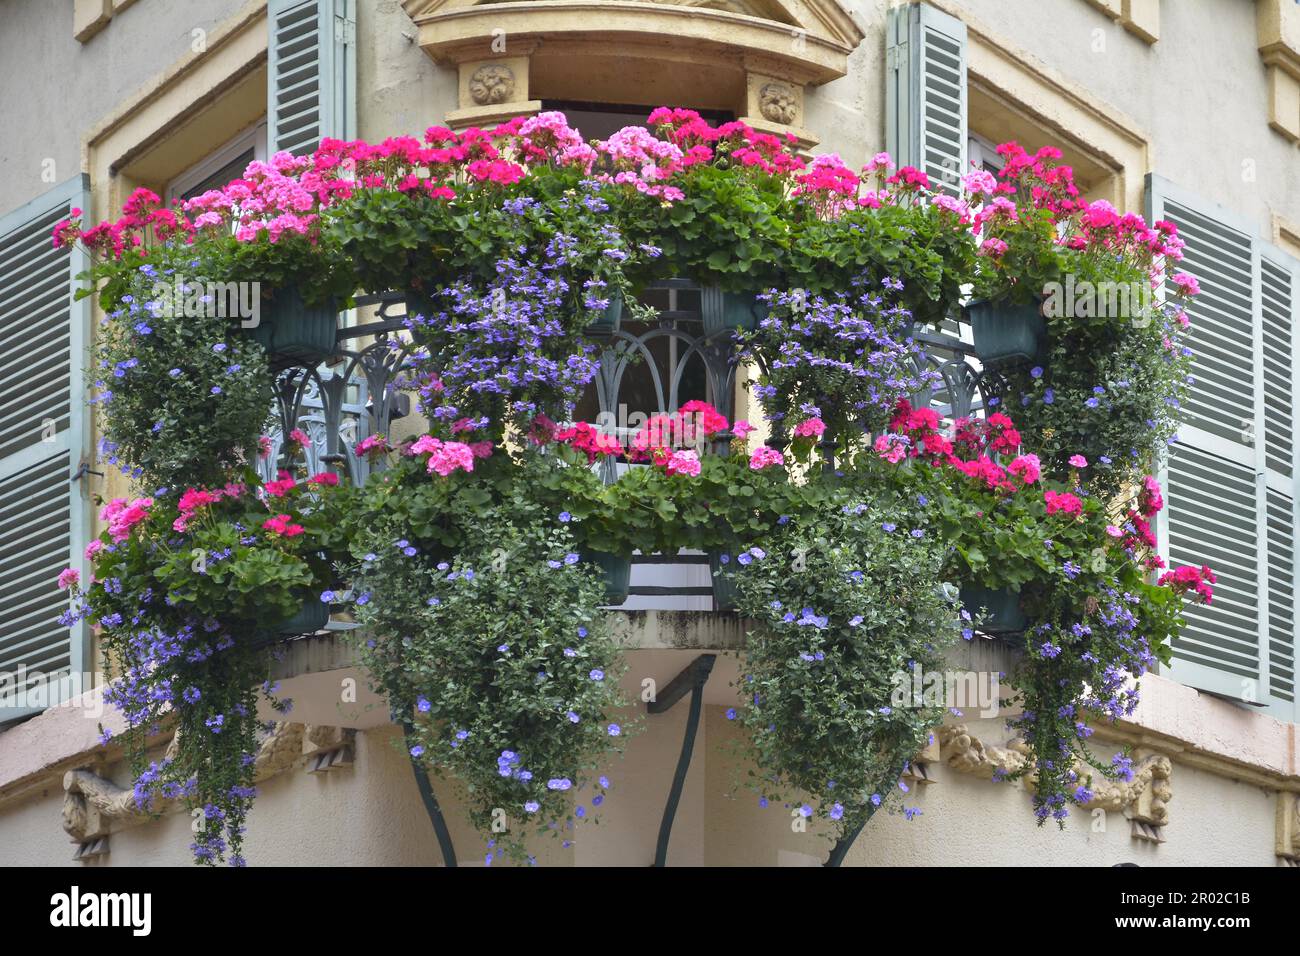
(499,657)
(850,603)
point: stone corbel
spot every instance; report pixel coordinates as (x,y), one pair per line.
(1288,828)
(94,807)
(493,91)
(1144,800)
(1278,25)
(918,769)
(774,104)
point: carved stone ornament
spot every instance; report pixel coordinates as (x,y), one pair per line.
(777,103)
(1143,799)
(94,806)
(491,84)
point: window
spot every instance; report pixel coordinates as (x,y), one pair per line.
(221,166)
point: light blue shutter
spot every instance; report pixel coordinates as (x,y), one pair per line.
(925,96)
(311,73)
(1280,311)
(43,514)
(1213,477)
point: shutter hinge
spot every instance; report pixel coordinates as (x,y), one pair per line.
(345,31)
(82,471)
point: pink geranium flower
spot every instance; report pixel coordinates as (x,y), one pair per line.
(68,577)
(810,428)
(450,456)
(1027,468)
(683,463)
(765,457)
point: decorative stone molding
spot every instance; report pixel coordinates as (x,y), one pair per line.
(492,91)
(1278,25)
(89,17)
(492,84)
(1143,800)
(1288,828)
(94,806)
(1139,17)
(1142,19)
(774,103)
(561,49)
(1112,8)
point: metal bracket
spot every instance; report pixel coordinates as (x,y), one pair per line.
(691,679)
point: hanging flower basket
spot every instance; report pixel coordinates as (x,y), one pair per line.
(1006,334)
(1005,614)
(740,311)
(611,318)
(294,333)
(616,569)
(310,618)
(724,586)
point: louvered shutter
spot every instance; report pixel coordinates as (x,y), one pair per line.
(311,73)
(1232,475)
(43,516)
(1215,495)
(1279,287)
(925,97)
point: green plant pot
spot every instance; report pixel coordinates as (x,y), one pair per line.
(611,318)
(1005,615)
(724,584)
(311,617)
(739,311)
(294,333)
(616,569)
(1006,334)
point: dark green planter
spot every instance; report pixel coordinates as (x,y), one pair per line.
(740,311)
(294,333)
(1005,615)
(616,569)
(1006,334)
(311,617)
(724,584)
(611,318)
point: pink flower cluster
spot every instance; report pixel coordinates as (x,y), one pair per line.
(283,525)
(1059,502)
(691,424)
(122,515)
(764,457)
(1189,578)
(448,456)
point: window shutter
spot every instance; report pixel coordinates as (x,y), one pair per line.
(925,100)
(311,73)
(1280,309)
(43,516)
(1216,511)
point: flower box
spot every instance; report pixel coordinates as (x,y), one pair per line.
(1005,614)
(739,311)
(611,318)
(616,569)
(294,333)
(1005,334)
